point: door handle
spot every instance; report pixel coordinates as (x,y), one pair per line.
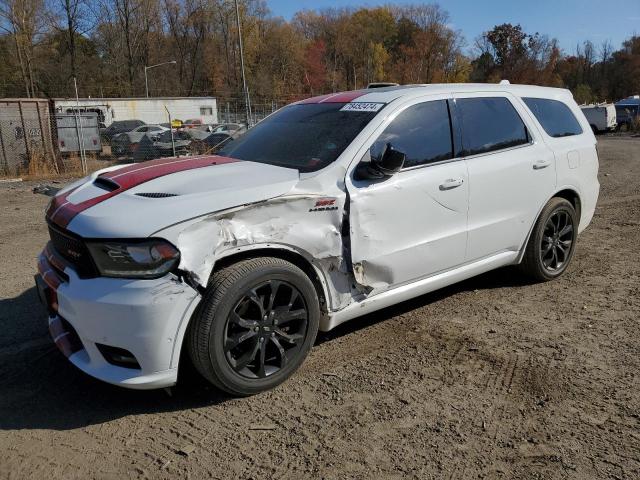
(450,183)
(540,164)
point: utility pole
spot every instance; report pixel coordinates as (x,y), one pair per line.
(244,79)
(80,132)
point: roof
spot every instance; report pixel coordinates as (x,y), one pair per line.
(629,101)
(388,94)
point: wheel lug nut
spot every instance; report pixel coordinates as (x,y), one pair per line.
(261,340)
(273,334)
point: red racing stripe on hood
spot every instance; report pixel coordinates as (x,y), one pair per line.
(61,211)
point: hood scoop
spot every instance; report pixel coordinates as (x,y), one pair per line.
(106,184)
(156,194)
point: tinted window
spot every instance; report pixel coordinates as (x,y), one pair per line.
(422,132)
(490,123)
(554,116)
(307,137)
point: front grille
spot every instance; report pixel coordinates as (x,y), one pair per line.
(73,250)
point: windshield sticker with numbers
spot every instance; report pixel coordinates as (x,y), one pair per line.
(362,107)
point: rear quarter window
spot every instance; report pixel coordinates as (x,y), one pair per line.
(555,117)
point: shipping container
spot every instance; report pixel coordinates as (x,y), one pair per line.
(25,133)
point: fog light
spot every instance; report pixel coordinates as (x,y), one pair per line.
(118,356)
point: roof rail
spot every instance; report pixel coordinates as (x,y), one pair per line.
(382,84)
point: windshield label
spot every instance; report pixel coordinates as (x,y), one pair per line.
(362,107)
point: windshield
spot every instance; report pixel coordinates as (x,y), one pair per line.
(306,137)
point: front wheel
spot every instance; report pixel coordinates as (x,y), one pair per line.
(552,241)
(255,326)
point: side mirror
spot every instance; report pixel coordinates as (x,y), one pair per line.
(389,163)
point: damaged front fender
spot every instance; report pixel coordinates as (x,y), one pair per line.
(307,225)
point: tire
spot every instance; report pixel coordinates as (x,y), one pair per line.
(547,240)
(251,307)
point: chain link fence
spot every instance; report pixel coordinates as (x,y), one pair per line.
(49,137)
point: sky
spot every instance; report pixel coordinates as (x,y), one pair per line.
(569,21)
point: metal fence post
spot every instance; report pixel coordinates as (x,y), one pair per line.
(24,134)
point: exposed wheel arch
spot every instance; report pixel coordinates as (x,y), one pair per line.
(573,197)
(285,254)
(567,193)
(278,251)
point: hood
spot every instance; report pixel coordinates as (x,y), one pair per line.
(141,199)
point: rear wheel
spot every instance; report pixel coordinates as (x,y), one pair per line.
(552,242)
(255,326)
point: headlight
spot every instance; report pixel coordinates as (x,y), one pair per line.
(149,258)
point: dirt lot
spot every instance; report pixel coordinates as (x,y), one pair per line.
(491,378)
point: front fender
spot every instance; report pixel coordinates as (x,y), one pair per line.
(306,225)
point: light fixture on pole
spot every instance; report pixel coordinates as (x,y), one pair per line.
(146,80)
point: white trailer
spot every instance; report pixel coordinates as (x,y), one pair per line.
(149,110)
(601,116)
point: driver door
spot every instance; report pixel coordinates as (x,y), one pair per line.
(413,224)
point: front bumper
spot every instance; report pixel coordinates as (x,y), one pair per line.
(145,317)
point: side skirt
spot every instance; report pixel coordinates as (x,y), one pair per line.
(415,289)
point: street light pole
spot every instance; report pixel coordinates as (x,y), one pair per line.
(146,80)
(244,79)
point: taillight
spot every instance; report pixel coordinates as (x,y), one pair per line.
(62,143)
(95,141)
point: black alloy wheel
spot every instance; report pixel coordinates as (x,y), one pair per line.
(266,328)
(552,241)
(557,240)
(255,325)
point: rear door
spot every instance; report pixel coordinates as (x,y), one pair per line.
(511,171)
(413,224)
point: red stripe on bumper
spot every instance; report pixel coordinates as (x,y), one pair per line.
(65,338)
(47,273)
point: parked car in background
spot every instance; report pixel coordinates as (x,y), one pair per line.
(118,127)
(329,209)
(192,123)
(628,111)
(601,117)
(213,141)
(230,128)
(125,144)
(163,145)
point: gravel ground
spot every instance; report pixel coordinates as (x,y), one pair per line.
(490,378)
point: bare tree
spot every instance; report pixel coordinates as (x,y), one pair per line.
(73,17)
(22,19)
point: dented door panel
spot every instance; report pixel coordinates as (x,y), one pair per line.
(408,226)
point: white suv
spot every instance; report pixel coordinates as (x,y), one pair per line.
(329,209)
